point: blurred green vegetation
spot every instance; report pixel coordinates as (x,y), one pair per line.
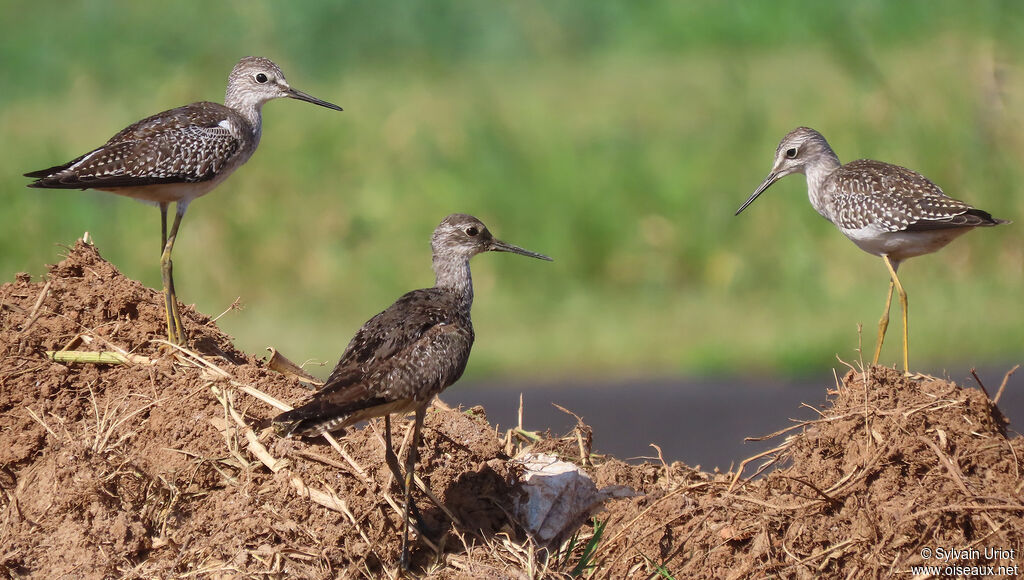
(617,137)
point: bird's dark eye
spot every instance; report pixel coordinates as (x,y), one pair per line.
(472,231)
(791,153)
(261,78)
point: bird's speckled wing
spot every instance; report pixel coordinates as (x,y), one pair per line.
(894,198)
(184,145)
(401,357)
(399,326)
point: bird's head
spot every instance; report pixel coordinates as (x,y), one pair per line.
(256,80)
(798,149)
(464,236)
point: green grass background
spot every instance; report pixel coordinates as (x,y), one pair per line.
(617,137)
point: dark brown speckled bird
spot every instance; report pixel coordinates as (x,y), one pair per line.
(404,356)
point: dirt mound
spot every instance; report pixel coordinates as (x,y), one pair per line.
(894,468)
(141,469)
(159,468)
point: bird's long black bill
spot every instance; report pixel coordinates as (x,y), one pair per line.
(500,246)
(768,181)
(295,94)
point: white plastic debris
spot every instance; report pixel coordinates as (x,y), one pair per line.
(557,497)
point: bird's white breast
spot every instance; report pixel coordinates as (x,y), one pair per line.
(901,245)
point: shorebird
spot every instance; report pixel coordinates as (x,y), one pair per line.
(179,155)
(405,355)
(887,210)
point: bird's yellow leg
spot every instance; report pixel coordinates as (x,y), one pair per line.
(175,329)
(389,451)
(410,466)
(163,225)
(903,304)
(883,324)
(392,461)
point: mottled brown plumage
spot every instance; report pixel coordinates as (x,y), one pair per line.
(410,352)
(397,361)
(179,155)
(405,355)
(867,193)
(887,210)
(189,144)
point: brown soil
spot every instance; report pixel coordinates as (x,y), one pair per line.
(151,469)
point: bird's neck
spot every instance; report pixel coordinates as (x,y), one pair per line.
(454,276)
(817,173)
(251,111)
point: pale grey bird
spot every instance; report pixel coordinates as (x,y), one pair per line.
(179,155)
(887,210)
(404,356)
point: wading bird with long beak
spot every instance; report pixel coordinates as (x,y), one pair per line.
(404,356)
(887,210)
(179,155)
